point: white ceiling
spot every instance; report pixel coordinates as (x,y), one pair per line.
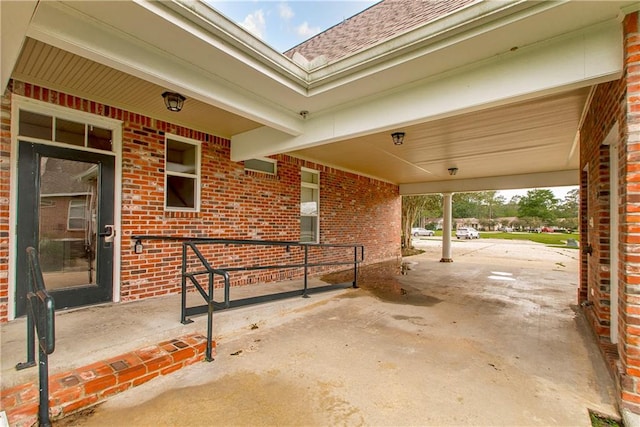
(524,122)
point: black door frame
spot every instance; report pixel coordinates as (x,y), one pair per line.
(28,207)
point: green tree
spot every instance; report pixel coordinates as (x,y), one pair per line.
(569,206)
(540,204)
(412,207)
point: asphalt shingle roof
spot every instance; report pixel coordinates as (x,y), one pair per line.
(379,22)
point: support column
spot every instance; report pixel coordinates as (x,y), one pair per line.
(446,228)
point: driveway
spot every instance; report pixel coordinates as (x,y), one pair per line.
(493,338)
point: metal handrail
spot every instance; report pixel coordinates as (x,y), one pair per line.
(40,319)
(208,297)
(190,244)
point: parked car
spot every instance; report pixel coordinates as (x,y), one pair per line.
(467,233)
(419,231)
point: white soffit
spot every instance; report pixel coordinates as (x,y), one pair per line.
(579,60)
(15,17)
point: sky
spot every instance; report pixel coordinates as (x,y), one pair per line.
(285,24)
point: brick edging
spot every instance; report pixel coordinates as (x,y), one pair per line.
(82,387)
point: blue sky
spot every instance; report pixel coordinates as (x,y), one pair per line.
(285,24)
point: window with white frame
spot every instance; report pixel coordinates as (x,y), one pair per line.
(309,205)
(76,219)
(262,165)
(182,174)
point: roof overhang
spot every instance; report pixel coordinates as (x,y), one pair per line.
(483,58)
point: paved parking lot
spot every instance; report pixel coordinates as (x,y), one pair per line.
(493,338)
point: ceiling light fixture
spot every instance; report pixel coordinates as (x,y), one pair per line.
(452,171)
(398,138)
(173,101)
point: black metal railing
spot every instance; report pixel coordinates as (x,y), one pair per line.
(201,266)
(40,320)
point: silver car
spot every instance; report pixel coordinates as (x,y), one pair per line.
(467,233)
(419,231)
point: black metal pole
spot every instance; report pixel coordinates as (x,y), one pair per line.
(306,271)
(208,355)
(43,408)
(183,308)
(355,267)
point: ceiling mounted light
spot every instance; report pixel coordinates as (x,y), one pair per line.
(398,138)
(173,101)
(452,171)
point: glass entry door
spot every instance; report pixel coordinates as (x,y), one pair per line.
(66,212)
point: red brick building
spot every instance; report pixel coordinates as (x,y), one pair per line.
(298,146)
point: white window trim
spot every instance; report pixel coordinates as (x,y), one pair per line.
(315,187)
(19,102)
(197,175)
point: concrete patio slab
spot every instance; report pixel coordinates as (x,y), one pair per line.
(486,340)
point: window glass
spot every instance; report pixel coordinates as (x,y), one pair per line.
(182,168)
(99,138)
(261,165)
(35,125)
(309,206)
(77,217)
(181,192)
(70,132)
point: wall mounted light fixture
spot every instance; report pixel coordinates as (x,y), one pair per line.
(398,138)
(173,101)
(452,171)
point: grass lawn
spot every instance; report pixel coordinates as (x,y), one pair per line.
(555,239)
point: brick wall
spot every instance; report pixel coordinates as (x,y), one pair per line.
(613,102)
(595,218)
(5,161)
(235,204)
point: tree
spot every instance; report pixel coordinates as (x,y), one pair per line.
(412,207)
(539,204)
(570,205)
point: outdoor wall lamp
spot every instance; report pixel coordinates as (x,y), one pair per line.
(452,171)
(398,138)
(173,101)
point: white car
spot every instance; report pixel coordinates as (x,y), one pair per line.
(467,233)
(419,231)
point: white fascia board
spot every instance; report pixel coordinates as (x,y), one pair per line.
(201,21)
(511,182)
(15,17)
(585,58)
(65,28)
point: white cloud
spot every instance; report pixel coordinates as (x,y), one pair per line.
(255,23)
(285,11)
(306,31)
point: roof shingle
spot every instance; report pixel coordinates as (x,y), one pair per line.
(379,22)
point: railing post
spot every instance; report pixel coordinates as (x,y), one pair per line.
(43,376)
(183,308)
(306,271)
(355,266)
(208,355)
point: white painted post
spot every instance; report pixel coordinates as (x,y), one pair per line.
(446,228)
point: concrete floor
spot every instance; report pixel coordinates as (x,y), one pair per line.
(491,339)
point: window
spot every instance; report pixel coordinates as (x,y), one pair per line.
(53,128)
(77,214)
(182,169)
(264,165)
(309,205)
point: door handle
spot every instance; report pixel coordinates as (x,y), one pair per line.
(109,233)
